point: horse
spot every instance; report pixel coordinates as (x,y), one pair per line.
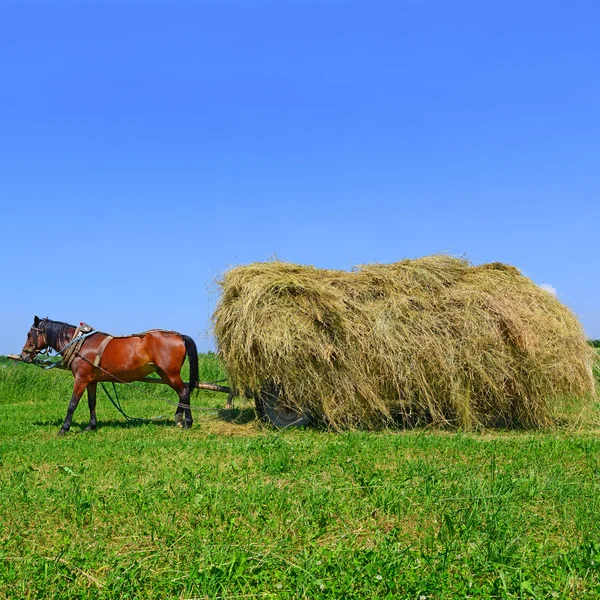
(120,359)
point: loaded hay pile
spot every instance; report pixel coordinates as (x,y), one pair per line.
(432,340)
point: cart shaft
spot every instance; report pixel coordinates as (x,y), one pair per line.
(200,385)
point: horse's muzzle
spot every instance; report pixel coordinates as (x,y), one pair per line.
(26,357)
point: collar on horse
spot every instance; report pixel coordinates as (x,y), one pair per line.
(70,351)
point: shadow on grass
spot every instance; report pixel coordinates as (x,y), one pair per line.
(119,424)
(237,416)
(240,416)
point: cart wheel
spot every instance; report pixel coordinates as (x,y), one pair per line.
(270,408)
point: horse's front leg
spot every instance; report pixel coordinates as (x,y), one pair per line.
(91,392)
(78,390)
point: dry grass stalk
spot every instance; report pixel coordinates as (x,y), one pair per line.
(432,340)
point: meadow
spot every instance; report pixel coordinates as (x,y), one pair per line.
(236,509)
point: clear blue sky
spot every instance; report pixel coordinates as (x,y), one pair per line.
(145,146)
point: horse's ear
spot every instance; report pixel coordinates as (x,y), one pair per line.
(36,321)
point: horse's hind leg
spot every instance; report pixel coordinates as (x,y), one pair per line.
(184,400)
(183,392)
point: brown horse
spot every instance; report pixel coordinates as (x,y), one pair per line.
(124,359)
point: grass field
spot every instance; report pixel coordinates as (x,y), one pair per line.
(235,509)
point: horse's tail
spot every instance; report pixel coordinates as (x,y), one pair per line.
(192,352)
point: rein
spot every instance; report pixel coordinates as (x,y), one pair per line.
(117,404)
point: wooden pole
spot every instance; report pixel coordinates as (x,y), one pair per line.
(200,385)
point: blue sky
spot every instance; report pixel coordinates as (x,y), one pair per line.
(146,146)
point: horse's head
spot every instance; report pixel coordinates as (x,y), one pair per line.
(36,341)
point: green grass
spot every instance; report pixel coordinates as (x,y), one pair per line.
(232,508)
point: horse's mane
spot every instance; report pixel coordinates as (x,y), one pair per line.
(57,333)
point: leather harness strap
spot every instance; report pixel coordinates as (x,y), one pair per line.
(73,349)
(101,350)
(82,332)
(108,338)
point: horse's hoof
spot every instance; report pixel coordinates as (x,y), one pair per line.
(179,420)
(61,432)
(187,425)
(90,428)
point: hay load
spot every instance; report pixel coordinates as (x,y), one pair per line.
(432,340)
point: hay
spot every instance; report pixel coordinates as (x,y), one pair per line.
(432,340)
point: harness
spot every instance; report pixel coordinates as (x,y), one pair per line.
(72,349)
(69,352)
(101,350)
(108,339)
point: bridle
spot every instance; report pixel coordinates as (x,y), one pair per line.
(66,354)
(33,352)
